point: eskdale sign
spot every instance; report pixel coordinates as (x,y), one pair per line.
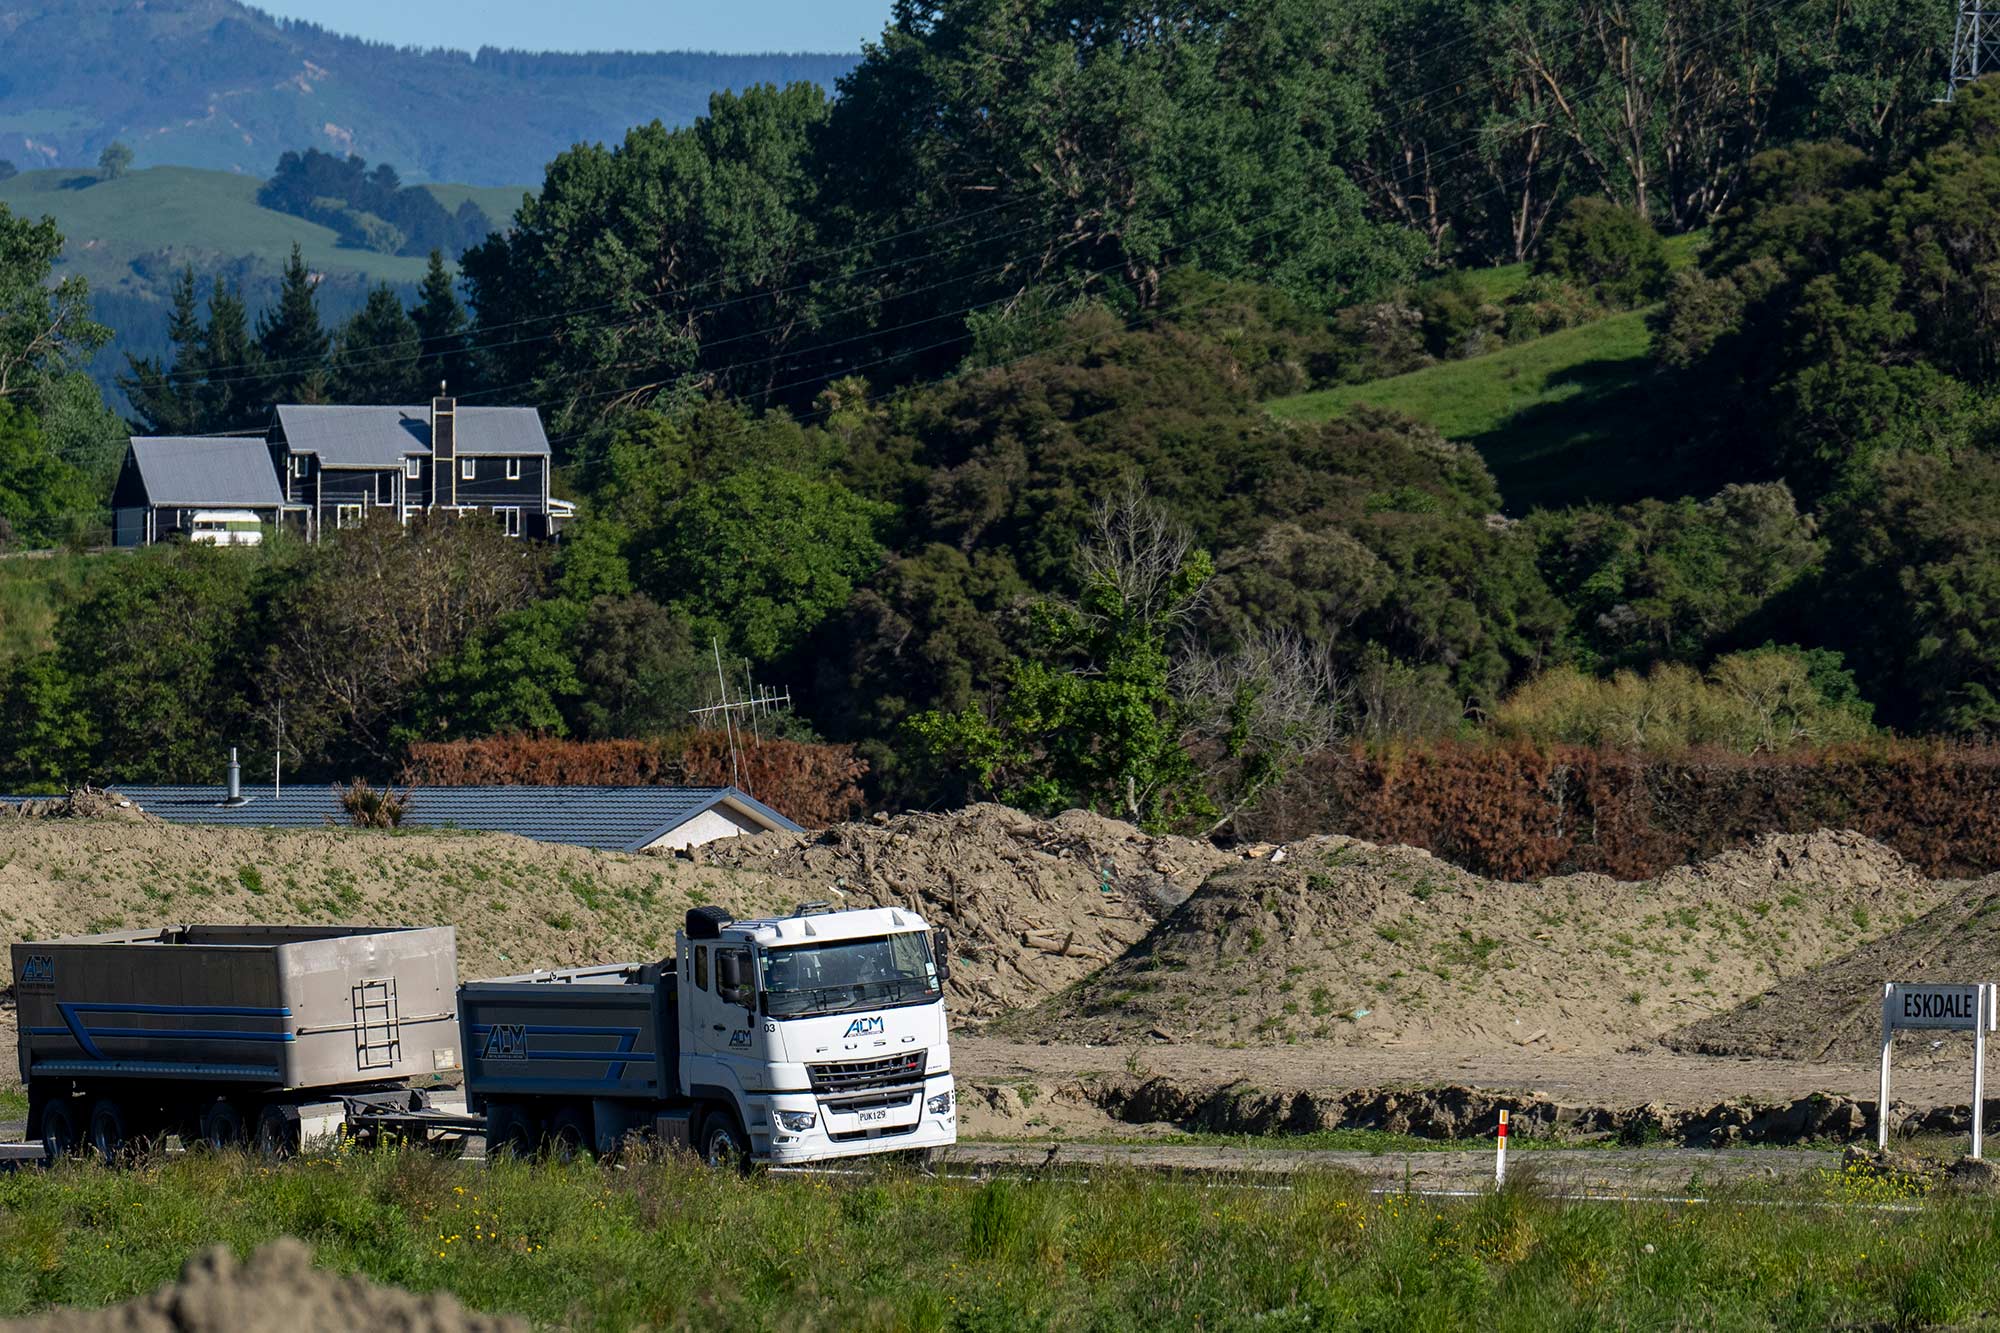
(1934,1007)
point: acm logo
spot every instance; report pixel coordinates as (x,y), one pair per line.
(38,972)
(507,1041)
(864,1027)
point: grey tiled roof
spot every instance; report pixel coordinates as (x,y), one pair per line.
(610,818)
(217,473)
(383,436)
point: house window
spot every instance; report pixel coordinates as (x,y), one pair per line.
(298,464)
(347,516)
(410,468)
(513,469)
(385,488)
(510,518)
(467,469)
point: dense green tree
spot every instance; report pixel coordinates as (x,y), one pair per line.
(445,354)
(165,395)
(762,556)
(1611,252)
(41,496)
(231,396)
(46,330)
(114,161)
(290,337)
(375,359)
(1088,716)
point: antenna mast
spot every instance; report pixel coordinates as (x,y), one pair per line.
(1975,46)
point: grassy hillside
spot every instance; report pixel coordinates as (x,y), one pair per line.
(130,236)
(1562,419)
(1558,419)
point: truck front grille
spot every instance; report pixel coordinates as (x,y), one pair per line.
(852,1075)
(878,1132)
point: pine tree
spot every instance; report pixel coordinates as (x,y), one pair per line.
(163,395)
(375,360)
(441,323)
(231,395)
(289,334)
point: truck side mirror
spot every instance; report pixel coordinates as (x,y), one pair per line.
(730,983)
(941,948)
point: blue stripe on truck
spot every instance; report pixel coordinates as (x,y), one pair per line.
(627,1039)
(85,1034)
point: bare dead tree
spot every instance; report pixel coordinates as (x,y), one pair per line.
(1142,557)
(1254,713)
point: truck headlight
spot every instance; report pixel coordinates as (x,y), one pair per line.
(940,1104)
(798,1122)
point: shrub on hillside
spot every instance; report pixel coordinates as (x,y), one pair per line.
(1754,702)
(1610,251)
(365,807)
(814,785)
(1547,303)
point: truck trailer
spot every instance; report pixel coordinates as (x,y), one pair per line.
(231,1034)
(779,1040)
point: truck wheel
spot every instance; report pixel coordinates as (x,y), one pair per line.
(277,1135)
(510,1131)
(107,1129)
(221,1127)
(59,1137)
(572,1134)
(722,1140)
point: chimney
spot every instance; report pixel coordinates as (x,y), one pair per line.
(444,449)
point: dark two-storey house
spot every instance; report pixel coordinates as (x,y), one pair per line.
(321,468)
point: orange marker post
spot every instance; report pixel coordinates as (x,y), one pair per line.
(1500,1153)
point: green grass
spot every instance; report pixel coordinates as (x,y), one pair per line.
(1560,419)
(670,1245)
(13,1104)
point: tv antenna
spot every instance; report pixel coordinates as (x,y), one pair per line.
(756,703)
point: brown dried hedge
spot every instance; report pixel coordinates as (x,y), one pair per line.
(1521,811)
(816,785)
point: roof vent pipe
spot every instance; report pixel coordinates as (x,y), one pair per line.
(235,779)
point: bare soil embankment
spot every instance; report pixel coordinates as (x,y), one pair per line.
(1346,943)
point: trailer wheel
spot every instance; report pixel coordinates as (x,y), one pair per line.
(277,1133)
(107,1129)
(59,1138)
(510,1131)
(572,1133)
(722,1140)
(221,1126)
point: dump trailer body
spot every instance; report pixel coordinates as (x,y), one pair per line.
(265,1007)
(592,1032)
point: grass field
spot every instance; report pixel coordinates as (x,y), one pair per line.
(670,1245)
(1561,419)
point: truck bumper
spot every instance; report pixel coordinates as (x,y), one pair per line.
(936,1126)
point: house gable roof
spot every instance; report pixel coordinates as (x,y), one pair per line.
(382,437)
(219,473)
(619,819)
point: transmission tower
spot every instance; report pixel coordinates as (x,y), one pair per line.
(1975,46)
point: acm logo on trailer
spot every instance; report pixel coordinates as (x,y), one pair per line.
(507,1041)
(38,972)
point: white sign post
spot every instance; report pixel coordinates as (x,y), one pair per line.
(1971,1008)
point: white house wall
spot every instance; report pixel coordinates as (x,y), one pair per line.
(718,822)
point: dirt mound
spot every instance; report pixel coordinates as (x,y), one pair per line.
(277,1291)
(1031,905)
(1345,942)
(1833,1011)
(83,803)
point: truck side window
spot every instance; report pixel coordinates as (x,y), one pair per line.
(701,967)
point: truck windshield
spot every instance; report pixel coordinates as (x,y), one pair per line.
(801,980)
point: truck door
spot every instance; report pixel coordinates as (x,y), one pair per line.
(718,1029)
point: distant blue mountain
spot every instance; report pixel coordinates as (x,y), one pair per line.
(213,83)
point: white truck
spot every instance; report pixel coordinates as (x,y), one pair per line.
(781,1041)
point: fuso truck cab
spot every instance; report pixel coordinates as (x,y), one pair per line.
(781,1040)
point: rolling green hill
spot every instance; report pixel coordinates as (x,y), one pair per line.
(130,236)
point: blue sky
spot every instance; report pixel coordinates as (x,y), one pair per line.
(601,25)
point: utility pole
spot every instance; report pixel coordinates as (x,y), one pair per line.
(1975,46)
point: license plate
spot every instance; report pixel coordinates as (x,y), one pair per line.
(868,1117)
